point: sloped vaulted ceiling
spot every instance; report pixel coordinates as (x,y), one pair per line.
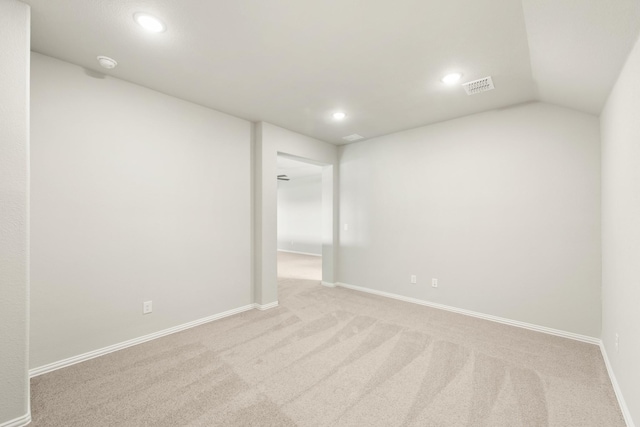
(293,63)
(578,47)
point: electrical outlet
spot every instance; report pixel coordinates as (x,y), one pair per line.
(147,307)
(617,342)
(434,283)
(414,279)
(346,227)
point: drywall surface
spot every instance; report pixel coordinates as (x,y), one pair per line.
(620,129)
(503,208)
(269,141)
(300,214)
(136,196)
(14,211)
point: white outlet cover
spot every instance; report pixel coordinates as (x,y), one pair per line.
(147,307)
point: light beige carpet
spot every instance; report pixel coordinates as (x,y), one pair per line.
(336,357)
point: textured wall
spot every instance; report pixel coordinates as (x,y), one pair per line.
(136,196)
(502,207)
(621,230)
(14,209)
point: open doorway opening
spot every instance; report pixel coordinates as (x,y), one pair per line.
(270,142)
(300,222)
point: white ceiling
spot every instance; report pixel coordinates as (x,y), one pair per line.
(578,48)
(292,63)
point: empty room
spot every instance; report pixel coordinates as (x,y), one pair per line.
(331,213)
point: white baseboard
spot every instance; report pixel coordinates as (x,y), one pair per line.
(110,349)
(328,284)
(18,422)
(530,326)
(300,253)
(616,388)
(266,306)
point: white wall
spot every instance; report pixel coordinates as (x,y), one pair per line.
(136,196)
(503,208)
(300,214)
(14,211)
(620,127)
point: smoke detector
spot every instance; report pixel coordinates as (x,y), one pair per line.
(106,62)
(353,137)
(478,86)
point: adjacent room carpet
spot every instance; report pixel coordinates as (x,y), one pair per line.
(335,357)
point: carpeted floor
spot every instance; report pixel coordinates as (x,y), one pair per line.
(336,357)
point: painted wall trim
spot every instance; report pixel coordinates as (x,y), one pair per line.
(135,341)
(18,422)
(517,323)
(301,253)
(616,388)
(266,306)
(328,284)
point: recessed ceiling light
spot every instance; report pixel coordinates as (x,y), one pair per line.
(106,62)
(339,115)
(451,78)
(149,23)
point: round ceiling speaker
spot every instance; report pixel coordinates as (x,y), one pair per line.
(106,62)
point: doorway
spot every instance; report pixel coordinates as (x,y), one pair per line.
(299,222)
(269,142)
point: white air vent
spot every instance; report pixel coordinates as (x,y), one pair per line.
(353,137)
(478,86)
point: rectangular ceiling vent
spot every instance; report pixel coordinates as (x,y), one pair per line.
(353,137)
(477,86)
